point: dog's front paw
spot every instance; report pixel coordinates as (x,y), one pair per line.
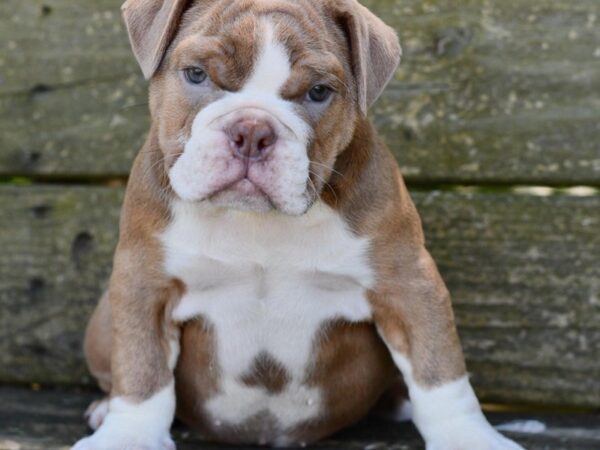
(126,425)
(117,433)
(469,433)
(96,442)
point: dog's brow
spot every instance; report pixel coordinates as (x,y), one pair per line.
(315,69)
(327,69)
(200,48)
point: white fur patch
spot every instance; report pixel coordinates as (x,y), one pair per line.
(449,417)
(267,283)
(135,425)
(208,166)
(272,68)
(238,403)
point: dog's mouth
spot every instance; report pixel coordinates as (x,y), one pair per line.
(243,194)
(243,186)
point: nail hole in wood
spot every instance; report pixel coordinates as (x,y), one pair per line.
(83,245)
(40,88)
(36,286)
(41,211)
(34,157)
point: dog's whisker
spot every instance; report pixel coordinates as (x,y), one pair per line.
(327,167)
(312,187)
(325,183)
(160,161)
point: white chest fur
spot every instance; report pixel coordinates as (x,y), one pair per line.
(266,283)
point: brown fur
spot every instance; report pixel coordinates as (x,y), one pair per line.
(127,339)
(196,374)
(266,372)
(98,341)
(353,368)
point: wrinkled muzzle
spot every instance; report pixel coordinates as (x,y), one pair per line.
(246,153)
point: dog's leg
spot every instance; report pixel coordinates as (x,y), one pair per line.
(98,343)
(97,349)
(145,347)
(413,314)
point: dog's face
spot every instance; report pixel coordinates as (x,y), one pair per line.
(254,99)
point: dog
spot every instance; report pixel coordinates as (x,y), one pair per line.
(271,280)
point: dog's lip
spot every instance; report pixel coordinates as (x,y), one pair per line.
(244,186)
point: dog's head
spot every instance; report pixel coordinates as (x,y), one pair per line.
(254,99)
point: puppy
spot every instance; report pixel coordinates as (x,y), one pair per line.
(271,280)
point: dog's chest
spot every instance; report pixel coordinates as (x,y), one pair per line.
(266,284)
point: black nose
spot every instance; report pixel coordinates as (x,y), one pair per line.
(252,139)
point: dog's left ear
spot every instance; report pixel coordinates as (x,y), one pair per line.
(374,48)
(152,25)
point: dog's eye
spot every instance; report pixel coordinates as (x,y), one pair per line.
(319,93)
(195,75)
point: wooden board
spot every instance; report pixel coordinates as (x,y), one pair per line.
(72,101)
(51,420)
(524,272)
(57,250)
(489,92)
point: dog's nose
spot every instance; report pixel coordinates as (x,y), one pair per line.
(252,139)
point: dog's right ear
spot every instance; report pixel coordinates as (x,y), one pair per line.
(152,25)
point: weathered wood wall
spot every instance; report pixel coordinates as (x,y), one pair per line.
(490,93)
(523,270)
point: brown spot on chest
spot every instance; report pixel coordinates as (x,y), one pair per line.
(268,373)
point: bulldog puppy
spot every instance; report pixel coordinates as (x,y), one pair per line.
(271,280)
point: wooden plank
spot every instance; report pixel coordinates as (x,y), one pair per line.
(525,277)
(57,250)
(72,101)
(51,420)
(489,92)
(523,271)
(495,91)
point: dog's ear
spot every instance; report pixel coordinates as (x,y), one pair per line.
(374,48)
(152,25)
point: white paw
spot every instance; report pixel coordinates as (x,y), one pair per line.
(468,433)
(95,442)
(96,413)
(126,432)
(127,425)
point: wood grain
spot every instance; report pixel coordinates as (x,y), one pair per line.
(524,272)
(488,92)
